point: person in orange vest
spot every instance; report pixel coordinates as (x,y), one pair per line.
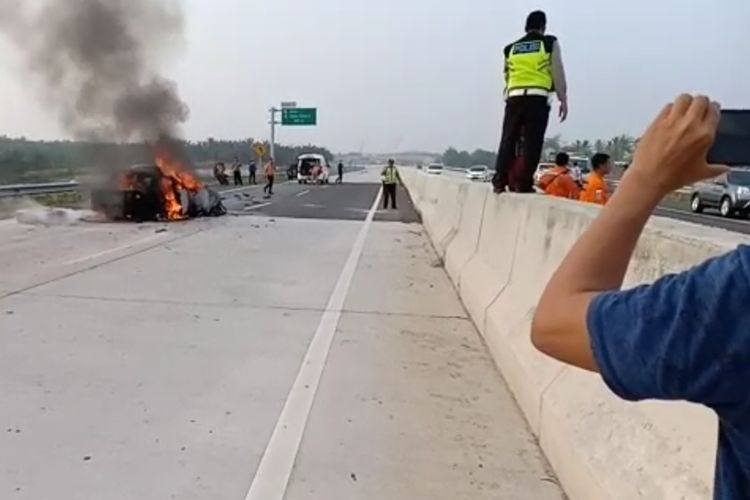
(597,190)
(270,171)
(558,181)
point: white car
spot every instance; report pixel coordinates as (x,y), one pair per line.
(478,173)
(434,169)
(313,168)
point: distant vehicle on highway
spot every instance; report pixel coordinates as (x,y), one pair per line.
(434,169)
(291,172)
(729,193)
(313,168)
(478,173)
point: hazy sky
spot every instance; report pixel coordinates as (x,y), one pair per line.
(421,74)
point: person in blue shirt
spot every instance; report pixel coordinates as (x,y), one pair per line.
(684,337)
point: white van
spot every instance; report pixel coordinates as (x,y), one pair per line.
(313,168)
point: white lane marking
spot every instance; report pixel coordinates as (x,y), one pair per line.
(250,187)
(303,193)
(256,207)
(275,468)
(239,189)
(313,205)
(148,239)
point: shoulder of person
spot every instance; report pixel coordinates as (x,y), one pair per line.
(508,48)
(550,42)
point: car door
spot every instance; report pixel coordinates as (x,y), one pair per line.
(715,189)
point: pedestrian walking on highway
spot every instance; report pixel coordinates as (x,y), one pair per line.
(596,190)
(533,71)
(391,179)
(270,171)
(681,338)
(252,168)
(237,172)
(340,179)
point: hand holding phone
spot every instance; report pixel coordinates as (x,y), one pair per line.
(732,144)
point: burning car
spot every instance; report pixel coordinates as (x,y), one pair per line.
(166,191)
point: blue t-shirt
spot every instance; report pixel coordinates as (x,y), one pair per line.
(686,337)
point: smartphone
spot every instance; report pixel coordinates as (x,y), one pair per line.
(732,144)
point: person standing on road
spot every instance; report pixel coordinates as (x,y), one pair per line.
(391,179)
(683,337)
(340,179)
(270,171)
(533,71)
(596,190)
(252,168)
(237,171)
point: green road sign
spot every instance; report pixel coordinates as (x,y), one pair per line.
(299,116)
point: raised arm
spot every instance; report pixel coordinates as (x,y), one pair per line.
(559,79)
(671,154)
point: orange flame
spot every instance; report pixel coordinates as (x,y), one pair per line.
(176,176)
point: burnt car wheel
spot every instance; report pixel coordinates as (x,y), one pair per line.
(696,205)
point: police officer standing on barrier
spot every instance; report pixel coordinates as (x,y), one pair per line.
(533,71)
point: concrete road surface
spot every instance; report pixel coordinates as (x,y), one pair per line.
(309,348)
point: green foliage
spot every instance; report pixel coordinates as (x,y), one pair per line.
(620,148)
(24,161)
(454,158)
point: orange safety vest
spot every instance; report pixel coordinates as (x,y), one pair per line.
(559,183)
(596,191)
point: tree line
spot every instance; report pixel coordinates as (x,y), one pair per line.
(27,161)
(620,148)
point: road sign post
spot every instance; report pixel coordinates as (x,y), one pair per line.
(291,116)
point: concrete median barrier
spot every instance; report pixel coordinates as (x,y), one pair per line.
(440,207)
(502,251)
(465,244)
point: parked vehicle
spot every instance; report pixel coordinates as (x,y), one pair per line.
(478,173)
(313,168)
(434,169)
(729,193)
(291,173)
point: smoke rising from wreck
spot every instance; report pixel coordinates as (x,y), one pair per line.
(96,63)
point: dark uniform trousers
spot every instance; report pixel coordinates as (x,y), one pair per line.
(526,117)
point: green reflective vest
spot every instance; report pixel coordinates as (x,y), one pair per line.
(529,63)
(390,175)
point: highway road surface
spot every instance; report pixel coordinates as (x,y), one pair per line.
(309,346)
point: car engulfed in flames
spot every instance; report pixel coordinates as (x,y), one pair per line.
(165,191)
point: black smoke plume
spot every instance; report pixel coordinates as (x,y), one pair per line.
(96,63)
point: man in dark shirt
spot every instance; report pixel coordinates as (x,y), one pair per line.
(684,337)
(253,168)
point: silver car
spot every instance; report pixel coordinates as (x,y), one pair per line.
(729,193)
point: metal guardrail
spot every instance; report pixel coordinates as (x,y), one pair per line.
(17,190)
